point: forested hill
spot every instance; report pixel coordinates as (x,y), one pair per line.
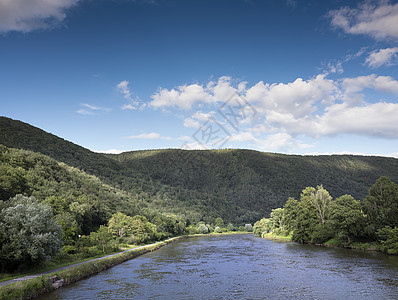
(238,185)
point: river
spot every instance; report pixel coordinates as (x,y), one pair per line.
(243,267)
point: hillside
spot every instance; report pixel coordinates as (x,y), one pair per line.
(238,185)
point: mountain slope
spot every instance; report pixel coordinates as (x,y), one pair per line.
(238,185)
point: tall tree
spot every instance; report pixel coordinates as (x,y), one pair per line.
(28,233)
(347,218)
(381,204)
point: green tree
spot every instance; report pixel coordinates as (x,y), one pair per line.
(70,228)
(102,237)
(290,208)
(28,234)
(277,219)
(12,181)
(306,218)
(120,224)
(202,228)
(262,226)
(219,222)
(381,204)
(321,199)
(389,239)
(347,219)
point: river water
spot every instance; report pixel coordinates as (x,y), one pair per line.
(243,267)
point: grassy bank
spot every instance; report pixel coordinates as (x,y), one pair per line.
(275,237)
(34,287)
(334,243)
(48,266)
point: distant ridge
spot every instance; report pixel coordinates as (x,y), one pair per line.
(238,185)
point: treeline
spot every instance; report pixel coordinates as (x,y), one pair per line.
(317,218)
(241,186)
(32,233)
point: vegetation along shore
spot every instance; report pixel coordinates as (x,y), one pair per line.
(344,222)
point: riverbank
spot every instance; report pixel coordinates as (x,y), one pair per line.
(45,283)
(332,243)
(274,237)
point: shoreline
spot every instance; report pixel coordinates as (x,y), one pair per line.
(31,286)
(356,246)
(36,285)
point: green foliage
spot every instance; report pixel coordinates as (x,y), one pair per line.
(389,239)
(239,186)
(120,224)
(203,229)
(319,220)
(219,222)
(347,219)
(103,238)
(262,226)
(381,204)
(322,233)
(28,234)
(248,227)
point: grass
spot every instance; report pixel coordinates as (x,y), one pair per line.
(334,242)
(275,237)
(49,265)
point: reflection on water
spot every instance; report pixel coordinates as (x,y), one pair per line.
(243,267)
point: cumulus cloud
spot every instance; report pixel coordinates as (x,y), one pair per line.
(29,15)
(149,136)
(186,96)
(379,119)
(378,58)
(313,108)
(380,83)
(298,97)
(88,109)
(379,21)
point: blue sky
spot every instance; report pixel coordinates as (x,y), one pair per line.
(300,77)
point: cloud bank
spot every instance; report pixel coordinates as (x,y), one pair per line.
(316,107)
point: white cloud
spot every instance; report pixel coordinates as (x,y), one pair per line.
(186,96)
(394,155)
(123,88)
(149,136)
(191,123)
(335,68)
(312,108)
(298,97)
(183,97)
(29,15)
(281,141)
(379,83)
(378,21)
(379,119)
(89,109)
(110,151)
(388,56)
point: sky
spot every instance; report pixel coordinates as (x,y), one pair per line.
(288,76)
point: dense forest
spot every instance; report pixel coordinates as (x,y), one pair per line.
(141,196)
(241,186)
